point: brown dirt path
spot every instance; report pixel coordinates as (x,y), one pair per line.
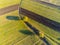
(9,9)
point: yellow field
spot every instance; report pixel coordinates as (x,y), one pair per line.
(47,11)
(14,31)
(41,9)
(6,3)
(9,28)
(12,28)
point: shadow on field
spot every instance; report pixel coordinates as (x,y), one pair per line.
(58,38)
(45,40)
(37,33)
(33,28)
(27,32)
(12,17)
